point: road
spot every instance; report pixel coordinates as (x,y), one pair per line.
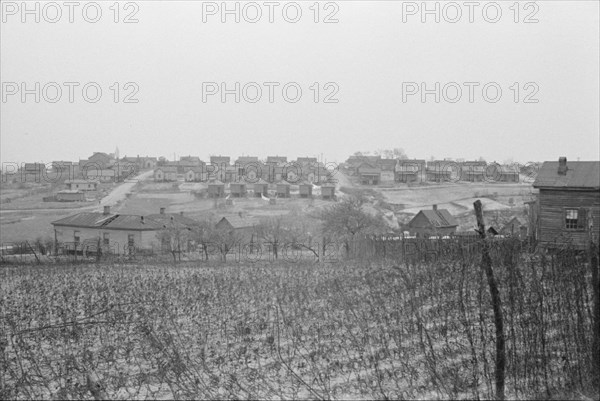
(118,194)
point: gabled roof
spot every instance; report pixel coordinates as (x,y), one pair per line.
(239,222)
(168,219)
(110,221)
(215,182)
(167,169)
(276,159)
(220,159)
(367,168)
(246,159)
(260,182)
(584,175)
(439,218)
(387,164)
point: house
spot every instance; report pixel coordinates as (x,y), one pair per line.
(305,189)
(261,188)
(195,174)
(283,189)
(277,160)
(433,222)
(355,161)
(407,171)
(388,167)
(318,173)
(249,168)
(115,233)
(216,189)
(99,160)
(165,173)
(502,173)
(81,185)
(473,171)
(441,170)
(70,195)
(178,223)
(328,191)
(243,226)
(238,189)
(218,160)
(306,161)
(516,227)
(100,175)
(568,203)
(368,174)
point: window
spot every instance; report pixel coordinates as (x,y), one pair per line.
(576,219)
(106,239)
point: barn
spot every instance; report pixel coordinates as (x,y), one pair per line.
(568,203)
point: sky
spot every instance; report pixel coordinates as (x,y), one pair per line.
(368,79)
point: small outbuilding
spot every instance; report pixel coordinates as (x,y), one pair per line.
(216,189)
(283,189)
(261,188)
(305,189)
(237,189)
(328,191)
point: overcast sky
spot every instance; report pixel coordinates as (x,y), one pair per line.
(370,58)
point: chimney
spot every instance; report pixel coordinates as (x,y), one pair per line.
(106,210)
(162,210)
(562,166)
(434,207)
(142,219)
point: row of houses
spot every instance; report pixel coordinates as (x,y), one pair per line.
(261,188)
(373,170)
(246,168)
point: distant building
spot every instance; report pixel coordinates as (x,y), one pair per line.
(216,189)
(433,222)
(165,173)
(568,203)
(473,171)
(442,170)
(328,191)
(515,227)
(195,174)
(407,171)
(68,195)
(369,174)
(277,160)
(305,189)
(283,189)
(238,189)
(261,188)
(81,185)
(502,173)
(244,227)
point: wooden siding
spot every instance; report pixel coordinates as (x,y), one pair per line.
(552,205)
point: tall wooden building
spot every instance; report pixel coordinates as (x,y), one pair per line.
(568,203)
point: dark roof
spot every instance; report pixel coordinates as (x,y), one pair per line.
(239,222)
(110,221)
(167,169)
(579,175)
(439,218)
(246,159)
(168,218)
(276,159)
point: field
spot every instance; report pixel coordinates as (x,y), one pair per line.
(346,330)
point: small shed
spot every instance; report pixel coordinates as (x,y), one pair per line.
(70,196)
(237,189)
(305,189)
(261,188)
(81,185)
(216,189)
(328,191)
(283,189)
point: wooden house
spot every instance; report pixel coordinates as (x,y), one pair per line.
(473,171)
(440,170)
(216,189)
(165,173)
(354,161)
(243,226)
(328,191)
(305,189)
(237,189)
(277,160)
(261,188)
(502,173)
(283,189)
(568,203)
(433,222)
(369,174)
(407,171)
(116,233)
(195,174)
